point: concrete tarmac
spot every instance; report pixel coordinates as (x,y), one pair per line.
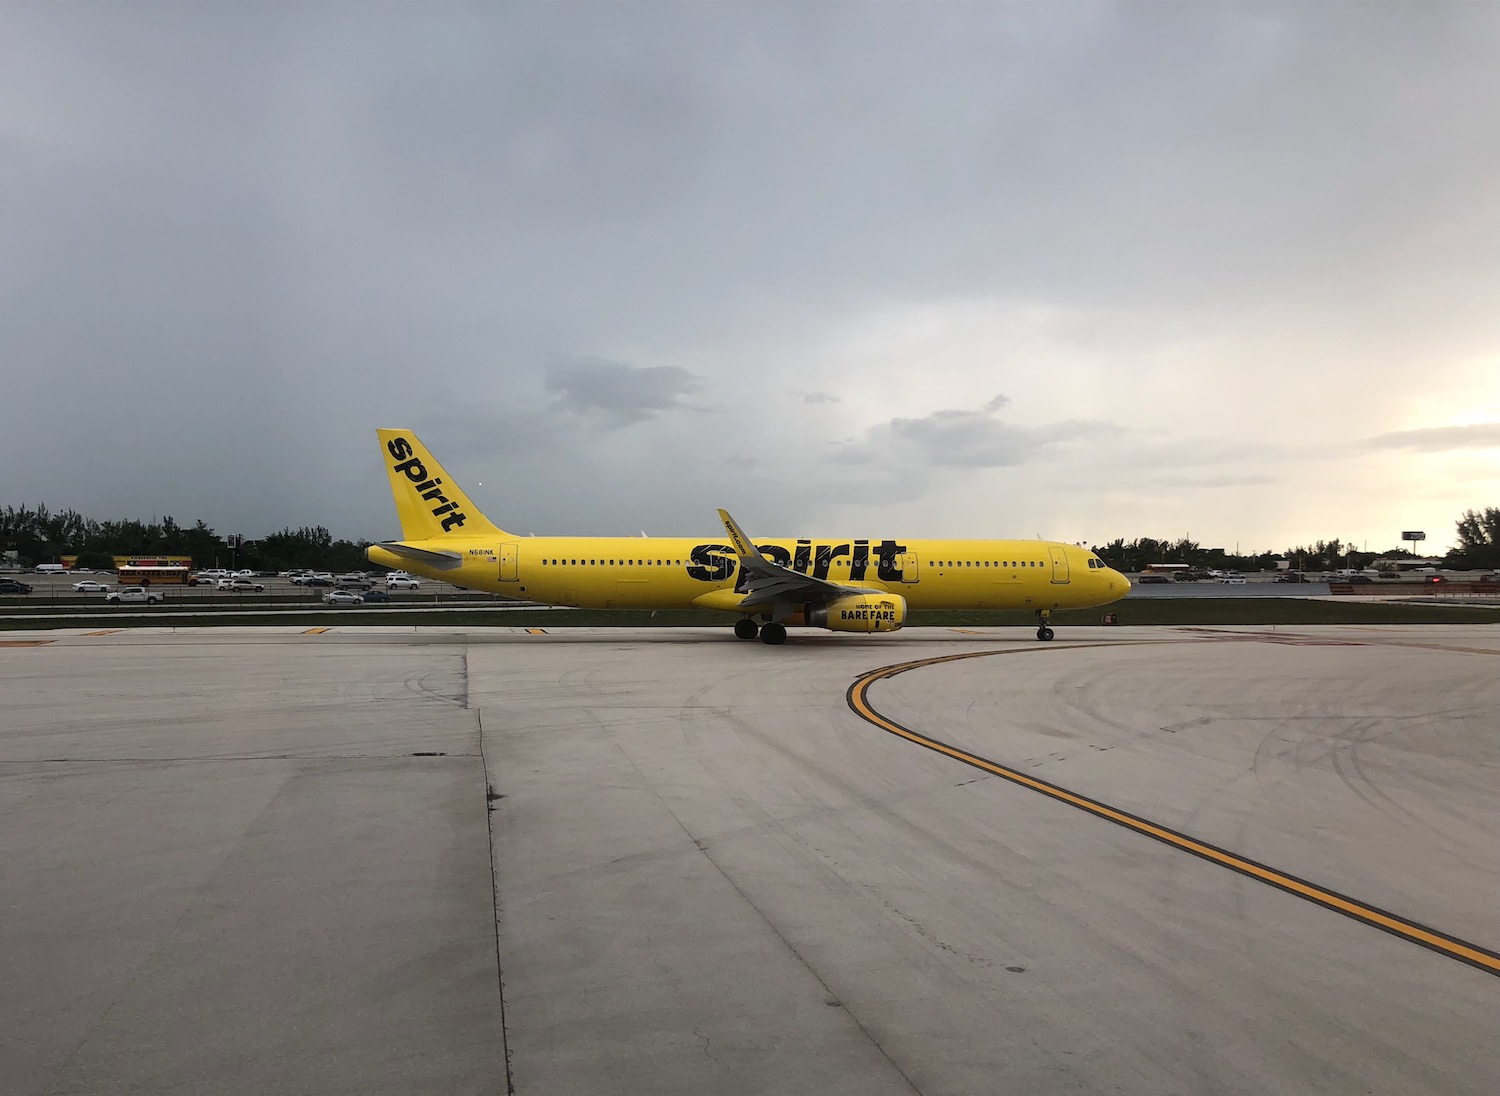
(227,862)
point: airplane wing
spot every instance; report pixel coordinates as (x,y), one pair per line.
(763,581)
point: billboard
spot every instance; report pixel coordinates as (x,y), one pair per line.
(1413,536)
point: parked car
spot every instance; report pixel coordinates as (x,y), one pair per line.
(375,595)
(1292,576)
(133,594)
(1232,580)
(89,586)
(314,580)
(1147,580)
(353,581)
(13,586)
(1360,580)
(239,583)
(401,582)
(341,597)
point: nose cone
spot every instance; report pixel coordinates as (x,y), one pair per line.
(1119,585)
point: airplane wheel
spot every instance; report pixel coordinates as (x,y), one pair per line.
(745,628)
(771,632)
(1044,633)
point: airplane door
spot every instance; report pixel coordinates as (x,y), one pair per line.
(508,563)
(1059,564)
(908,567)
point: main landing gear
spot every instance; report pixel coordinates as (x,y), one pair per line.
(769,632)
(1043,631)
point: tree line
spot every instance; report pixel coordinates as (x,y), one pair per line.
(37,535)
(1478,547)
(40,536)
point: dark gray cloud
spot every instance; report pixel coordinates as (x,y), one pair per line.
(617,394)
(965,439)
(239,237)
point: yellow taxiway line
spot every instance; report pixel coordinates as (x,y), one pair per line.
(1451,946)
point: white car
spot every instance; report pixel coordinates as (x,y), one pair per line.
(133,593)
(401,582)
(89,586)
(1232,580)
(238,583)
(342,597)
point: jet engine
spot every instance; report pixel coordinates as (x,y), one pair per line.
(860,613)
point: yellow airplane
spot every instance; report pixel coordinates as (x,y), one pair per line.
(844,585)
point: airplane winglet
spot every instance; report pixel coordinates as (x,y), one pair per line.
(737,537)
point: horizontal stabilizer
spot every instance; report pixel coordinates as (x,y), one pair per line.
(441,561)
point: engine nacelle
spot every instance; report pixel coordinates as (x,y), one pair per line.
(860,613)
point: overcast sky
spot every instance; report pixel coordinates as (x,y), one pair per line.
(1227,271)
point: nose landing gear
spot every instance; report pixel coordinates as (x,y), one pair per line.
(1043,630)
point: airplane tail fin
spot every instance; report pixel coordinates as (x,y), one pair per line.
(429,504)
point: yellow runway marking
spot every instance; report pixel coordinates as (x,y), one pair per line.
(1451,946)
(24,642)
(315,631)
(536,631)
(106,632)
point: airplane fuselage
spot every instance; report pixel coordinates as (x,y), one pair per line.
(681,572)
